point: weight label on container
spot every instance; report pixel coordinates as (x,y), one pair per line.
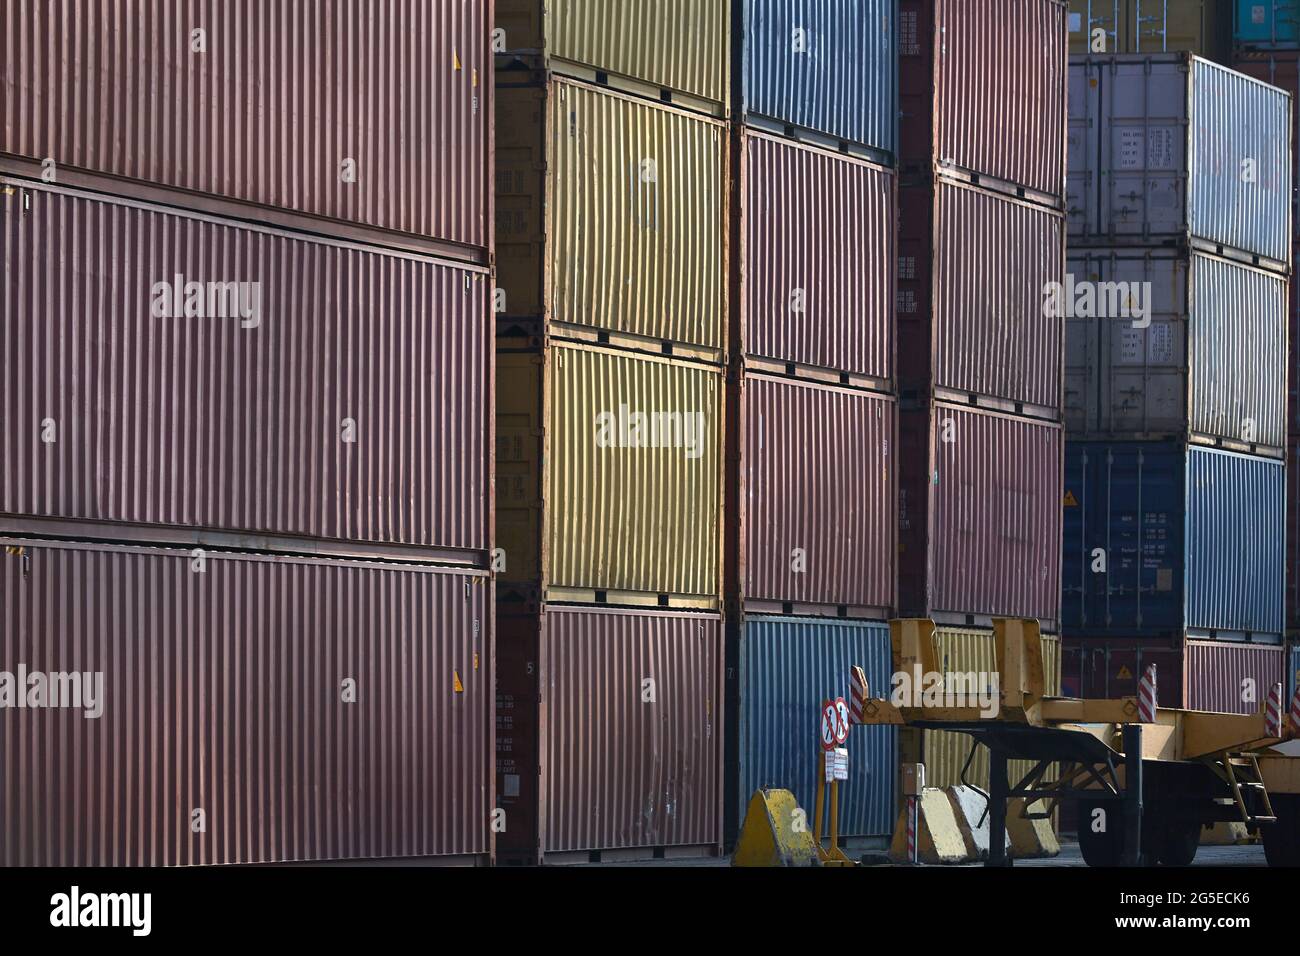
(1132,145)
(1160,148)
(1160,345)
(1132,347)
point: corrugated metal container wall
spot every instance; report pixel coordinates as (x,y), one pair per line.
(788,666)
(1293,675)
(824,68)
(1212,360)
(634,196)
(819,259)
(1181,551)
(620,771)
(1109,668)
(1236,581)
(1152,26)
(1292,532)
(206,423)
(1280,69)
(1218,676)
(1163,145)
(984,83)
(1267,23)
(973,270)
(271,110)
(977,537)
(223,691)
(673,45)
(819,477)
(1229,678)
(944,752)
(622,517)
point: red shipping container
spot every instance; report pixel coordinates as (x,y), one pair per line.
(611,739)
(369,121)
(813,515)
(816,243)
(1216,676)
(974,270)
(979,516)
(983,87)
(299,709)
(340,400)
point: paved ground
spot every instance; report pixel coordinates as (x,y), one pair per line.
(1209,856)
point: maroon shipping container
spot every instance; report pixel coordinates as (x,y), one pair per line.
(814,511)
(369,121)
(816,239)
(979,516)
(296,708)
(350,411)
(1217,676)
(983,90)
(974,268)
(617,714)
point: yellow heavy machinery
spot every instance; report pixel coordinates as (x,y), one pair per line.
(1145,779)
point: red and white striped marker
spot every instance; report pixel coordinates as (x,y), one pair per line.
(1273,713)
(911,830)
(857,693)
(1147,696)
(1295,711)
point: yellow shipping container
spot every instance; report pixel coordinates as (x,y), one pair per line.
(611,217)
(1203,27)
(629,501)
(649,47)
(945,753)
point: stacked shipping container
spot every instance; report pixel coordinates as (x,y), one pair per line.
(1266,45)
(1176,397)
(812,478)
(1150,26)
(255,337)
(982,239)
(611,349)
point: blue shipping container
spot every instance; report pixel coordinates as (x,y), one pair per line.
(788,666)
(1191,539)
(1293,673)
(823,71)
(1267,24)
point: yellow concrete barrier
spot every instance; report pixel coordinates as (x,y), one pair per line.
(1030,839)
(939,837)
(776,832)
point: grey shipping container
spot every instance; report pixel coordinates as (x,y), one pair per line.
(1171,148)
(784,668)
(823,72)
(372,122)
(611,730)
(983,93)
(300,709)
(184,379)
(1163,539)
(812,518)
(1175,344)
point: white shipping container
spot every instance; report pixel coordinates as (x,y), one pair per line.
(1200,354)
(1172,147)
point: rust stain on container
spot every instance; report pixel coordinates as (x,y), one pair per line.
(354,116)
(817,258)
(632,739)
(819,497)
(298,709)
(342,395)
(980,517)
(974,268)
(984,90)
